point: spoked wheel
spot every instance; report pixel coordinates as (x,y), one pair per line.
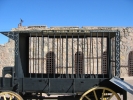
(9,95)
(100,93)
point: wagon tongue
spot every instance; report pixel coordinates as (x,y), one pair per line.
(122,84)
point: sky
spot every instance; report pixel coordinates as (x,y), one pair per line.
(110,13)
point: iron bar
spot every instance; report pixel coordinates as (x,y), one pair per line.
(87,55)
(72,57)
(60,58)
(62,55)
(47,63)
(84,54)
(33,55)
(53,56)
(42,53)
(30,54)
(66,56)
(93,56)
(77,56)
(90,51)
(38,56)
(57,56)
(102,53)
(109,58)
(97,53)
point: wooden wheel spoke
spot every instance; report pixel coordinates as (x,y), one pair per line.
(102,94)
(110,96)
(87,98)
(10,97)
(95,95)
(4,97)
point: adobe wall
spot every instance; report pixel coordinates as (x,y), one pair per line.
(126,46)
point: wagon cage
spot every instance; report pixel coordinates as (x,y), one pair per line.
(71,61)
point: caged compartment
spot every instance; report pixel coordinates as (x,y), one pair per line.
(64,60)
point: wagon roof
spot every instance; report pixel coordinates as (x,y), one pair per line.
(39,30)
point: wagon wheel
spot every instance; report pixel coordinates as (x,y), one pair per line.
(9,95)
(100,93)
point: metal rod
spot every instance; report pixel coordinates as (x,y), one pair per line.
(72,57)
(111,64)
(97,53)
(30,54)
(42,53)
(90,51)
(47,57)
(81,63)
(60,59)
(66,56)
(57,56)
(84,56)
(54,56)
(77,56)
(38,56)
(33,54)
(87,56)
(109,58)
(102,53)
(62,56)
(93,56)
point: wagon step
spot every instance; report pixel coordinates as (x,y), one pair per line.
(122,84)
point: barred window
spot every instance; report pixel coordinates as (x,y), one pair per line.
(104,63)
(50,62)
(79,62)
(130,64)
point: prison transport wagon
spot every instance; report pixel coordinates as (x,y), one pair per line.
(72,61)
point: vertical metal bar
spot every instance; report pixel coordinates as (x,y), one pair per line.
(33,55)
(97,53)
(30,54)
(84,56)
(60,59)
(93,56)
(81,62)
(57,56)
(38,56)
(111,58)
(72,57)
(108,56)
(42,57)
(90,53)
(66,56)
(47,57)
(78,56)
(54,56)
(87,56)
(102,53)
(62,56)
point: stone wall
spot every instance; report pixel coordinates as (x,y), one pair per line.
(126,46)
(6,55)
